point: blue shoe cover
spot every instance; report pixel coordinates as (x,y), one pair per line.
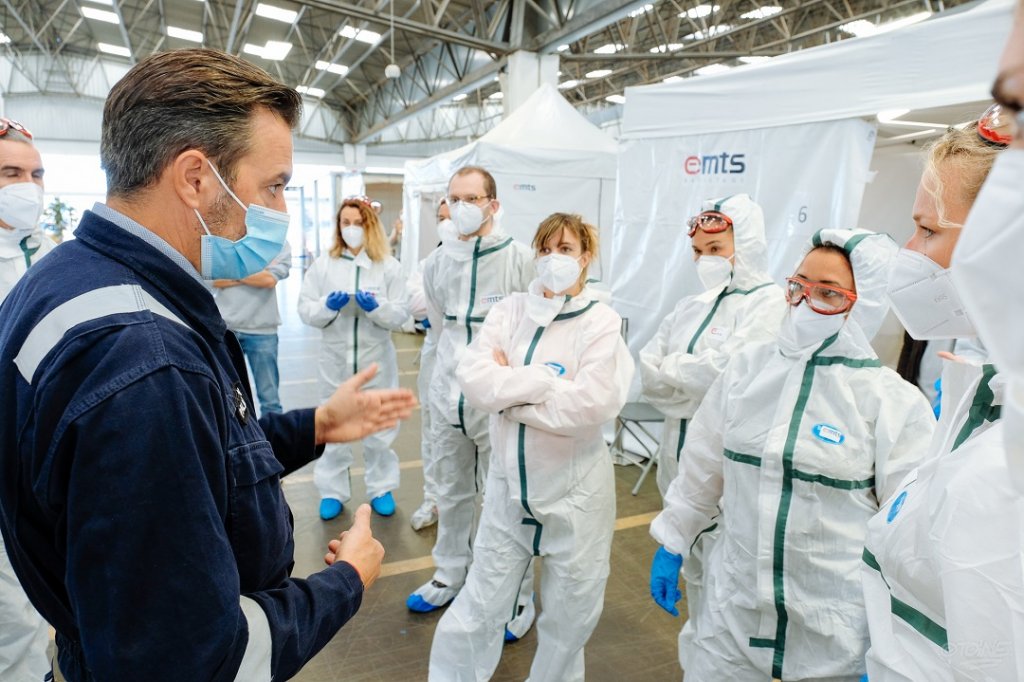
(420,605)
(383,505)
(330,508)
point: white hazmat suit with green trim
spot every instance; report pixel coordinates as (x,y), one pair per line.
(800,447)
(462,281)
(696,340)
(353,339)
(693,345)
(942,571)
(550,488)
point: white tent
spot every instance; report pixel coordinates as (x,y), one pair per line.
(789,132)
(545,157)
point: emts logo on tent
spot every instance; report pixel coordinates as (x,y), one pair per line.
(715,164)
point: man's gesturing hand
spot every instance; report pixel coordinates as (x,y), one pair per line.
(352,413)
(358,547)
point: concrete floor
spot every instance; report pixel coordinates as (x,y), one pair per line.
(635,640)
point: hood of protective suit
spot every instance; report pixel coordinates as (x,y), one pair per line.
(750,265)
(871,255)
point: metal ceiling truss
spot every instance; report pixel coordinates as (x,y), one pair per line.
(451,52)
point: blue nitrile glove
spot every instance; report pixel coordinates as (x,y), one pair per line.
(937,403)
(665,579)
(425,323)
(336,300)
(864,679)
(366,301)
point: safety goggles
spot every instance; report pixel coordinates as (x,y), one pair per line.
(471,199)
(359,198)
(710,222)
(7,124)
(822,298)
(998,126)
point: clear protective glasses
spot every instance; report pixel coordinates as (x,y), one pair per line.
(822,298)
(471,199)
(361,198)
(998,126)
(710,222)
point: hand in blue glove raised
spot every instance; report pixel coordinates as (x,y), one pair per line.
(665,579)
(367,301)
(336,300)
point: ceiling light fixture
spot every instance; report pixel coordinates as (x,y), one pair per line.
(114,49)
(266,11)
(100,15)
(185,34)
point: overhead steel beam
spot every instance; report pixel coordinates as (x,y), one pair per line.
(472,80)
(585,23)
(124,31)
(666,56)
(233,31)
(414,27)
(25,27)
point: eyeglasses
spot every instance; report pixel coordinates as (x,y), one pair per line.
(7,124)
(822,298)
(471,199)
(998,125)
(710,222)
(361,198)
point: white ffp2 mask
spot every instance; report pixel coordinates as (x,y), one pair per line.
(21,204)
(558,272)
(803,328)
(467,217)
(353,236)
(925,298)
(714,271)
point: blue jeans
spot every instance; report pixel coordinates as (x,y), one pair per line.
(261,351)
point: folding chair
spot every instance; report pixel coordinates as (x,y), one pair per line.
(634,416)
(631,420)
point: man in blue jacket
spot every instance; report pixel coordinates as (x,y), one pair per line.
(140,499)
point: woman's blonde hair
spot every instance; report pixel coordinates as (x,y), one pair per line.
(553,225)
(967,157)
(374,240)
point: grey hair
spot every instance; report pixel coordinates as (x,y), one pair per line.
(187,99)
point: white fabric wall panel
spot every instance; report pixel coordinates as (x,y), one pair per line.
(805,177)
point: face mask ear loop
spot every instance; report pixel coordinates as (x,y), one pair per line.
(225,186)
(202,222)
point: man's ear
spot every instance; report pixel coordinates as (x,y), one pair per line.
(188,177)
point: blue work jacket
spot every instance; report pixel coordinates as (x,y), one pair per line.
(140,498)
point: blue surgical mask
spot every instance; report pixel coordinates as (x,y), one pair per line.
(265,233)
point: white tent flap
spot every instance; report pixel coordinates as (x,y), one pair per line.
(805,178)
(945,60)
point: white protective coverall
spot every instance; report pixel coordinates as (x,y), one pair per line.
(550,487)
(352,340)
(17,255)
(692,347)
(24,634)
(942,574)
(696,340)
(800,447)
(416,303)
(462,284)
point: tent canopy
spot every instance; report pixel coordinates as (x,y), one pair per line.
(545,135)
(545,156)
(945,60)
